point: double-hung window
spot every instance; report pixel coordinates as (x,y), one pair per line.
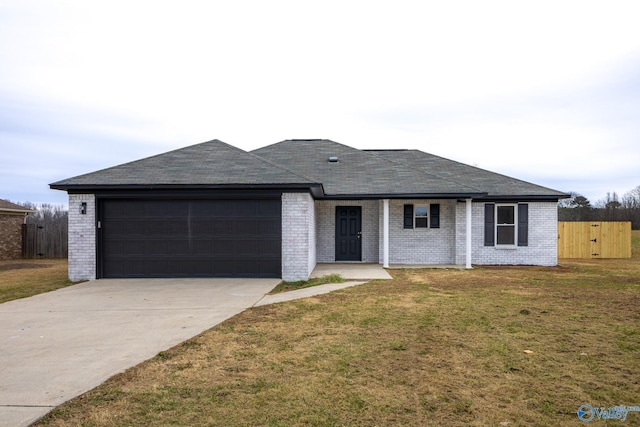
(506,224)
(420,217)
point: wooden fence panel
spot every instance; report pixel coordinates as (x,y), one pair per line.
(616,240)
(44,241)
(571,238)
(594,239)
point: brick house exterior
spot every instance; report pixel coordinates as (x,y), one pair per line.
(214,210)
(12,217)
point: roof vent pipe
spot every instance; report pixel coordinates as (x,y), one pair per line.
(333,159)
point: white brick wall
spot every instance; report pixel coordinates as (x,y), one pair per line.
(308,235)
(420,245)
(82,238)
(311,233)
(298,236)
(542,246)
(326,228)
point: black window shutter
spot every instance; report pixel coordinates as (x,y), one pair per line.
(523,224)
(434,213)
(408,216)
(489,223)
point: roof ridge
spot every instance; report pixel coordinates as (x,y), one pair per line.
(200,156)
(311,180)
(379,162)
(386,149)
(271,146)
(142,159)
(306,139)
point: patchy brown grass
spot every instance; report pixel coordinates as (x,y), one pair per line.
(431,347)
(302,284)
(23,278)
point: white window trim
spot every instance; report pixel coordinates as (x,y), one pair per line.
(415,208)
(515,226)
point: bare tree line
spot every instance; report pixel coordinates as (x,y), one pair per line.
(45,234)
(612,208)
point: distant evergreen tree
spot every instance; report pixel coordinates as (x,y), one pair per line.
(611,208)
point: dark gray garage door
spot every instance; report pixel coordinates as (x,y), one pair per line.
(189,238)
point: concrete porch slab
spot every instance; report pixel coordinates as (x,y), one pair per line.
(445,266)
(351,271)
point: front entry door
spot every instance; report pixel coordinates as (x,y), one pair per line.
(348,233)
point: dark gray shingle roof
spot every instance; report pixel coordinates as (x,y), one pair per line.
(495,184)
(208,163)
(304,163)
(358,172)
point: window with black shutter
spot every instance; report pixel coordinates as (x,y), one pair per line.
(434,212)
(506,224)
(408,216)
(422,216)
(523,224)
(489,224)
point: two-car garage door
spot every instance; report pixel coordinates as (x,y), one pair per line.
(189,238)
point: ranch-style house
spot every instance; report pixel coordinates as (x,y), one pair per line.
(213,210)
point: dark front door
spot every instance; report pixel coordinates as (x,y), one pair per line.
(348,233)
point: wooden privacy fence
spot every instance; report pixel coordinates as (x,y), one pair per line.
(594,239)
(44,241)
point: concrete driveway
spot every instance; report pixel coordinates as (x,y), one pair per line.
(58,345)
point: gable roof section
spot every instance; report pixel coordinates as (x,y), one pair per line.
(496,185)
(212,163)
(360,173)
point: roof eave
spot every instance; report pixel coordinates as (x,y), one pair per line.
(403,196)
(17,211)
(92,188)
(523,197)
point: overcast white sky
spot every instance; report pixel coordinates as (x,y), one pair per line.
(545,91)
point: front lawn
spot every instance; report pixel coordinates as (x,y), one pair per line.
(21,278)
(490,346)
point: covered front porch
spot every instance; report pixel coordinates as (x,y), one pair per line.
(386,232)
(455,229)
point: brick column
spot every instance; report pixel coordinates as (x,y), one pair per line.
(82,238)
(298,236)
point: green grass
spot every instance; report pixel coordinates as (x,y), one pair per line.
(292,286)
